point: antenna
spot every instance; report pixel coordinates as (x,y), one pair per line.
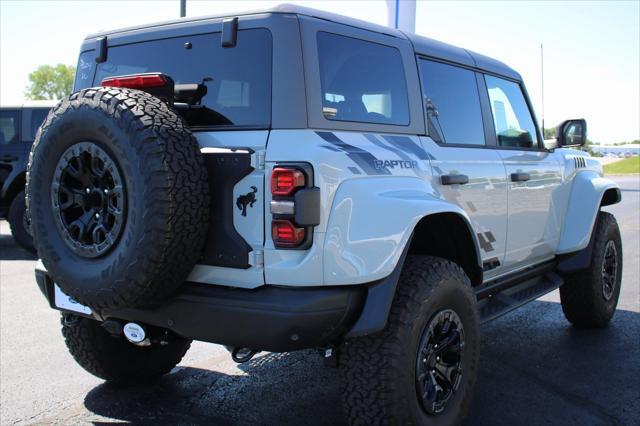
(183,8)
(542,83)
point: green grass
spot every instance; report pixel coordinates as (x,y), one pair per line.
(628,165)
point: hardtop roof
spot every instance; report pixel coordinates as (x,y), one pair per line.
(422,45)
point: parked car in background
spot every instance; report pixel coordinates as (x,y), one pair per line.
(18,128)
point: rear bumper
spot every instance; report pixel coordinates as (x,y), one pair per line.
(267,318)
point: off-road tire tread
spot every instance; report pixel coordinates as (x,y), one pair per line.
(116,360)
(368,363)
(20,235)
(580,293)
(175,222)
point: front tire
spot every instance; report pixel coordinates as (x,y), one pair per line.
(400,375)
(589,298)
(114,359)
(19,223)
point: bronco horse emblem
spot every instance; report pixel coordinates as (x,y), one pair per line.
(247,199)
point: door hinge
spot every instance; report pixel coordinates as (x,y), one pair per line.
(258,258)
(258,160)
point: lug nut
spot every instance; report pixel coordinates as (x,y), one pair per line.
(87,190)
(97,215)
(106,191)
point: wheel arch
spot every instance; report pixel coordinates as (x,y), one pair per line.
(440,221)
(589,192)
(448,235)
(374,221)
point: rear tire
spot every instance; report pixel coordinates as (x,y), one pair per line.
(382,372)
(114,359)
(19,223)
(589,298)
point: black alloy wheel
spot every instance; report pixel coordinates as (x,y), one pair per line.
(439,361)
(88,199)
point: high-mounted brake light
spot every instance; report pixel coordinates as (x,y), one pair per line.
(284,181)
(285,234)
(141,81)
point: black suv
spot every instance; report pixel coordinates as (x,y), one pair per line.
(18,128)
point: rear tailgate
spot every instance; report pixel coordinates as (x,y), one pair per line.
(231,123)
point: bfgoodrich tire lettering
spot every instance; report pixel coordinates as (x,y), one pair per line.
(166,189)
(589,298)
(379,371)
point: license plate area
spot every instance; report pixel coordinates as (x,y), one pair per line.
(67,303)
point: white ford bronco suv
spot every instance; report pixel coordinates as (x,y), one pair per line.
(292,179)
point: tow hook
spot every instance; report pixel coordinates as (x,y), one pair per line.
(135,334)
(241,355)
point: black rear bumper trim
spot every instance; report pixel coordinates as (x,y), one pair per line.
(267,318)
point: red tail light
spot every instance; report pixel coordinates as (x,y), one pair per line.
(286,180)
(285,234)
(141,81)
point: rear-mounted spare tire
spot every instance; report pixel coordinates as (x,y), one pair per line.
(118,197)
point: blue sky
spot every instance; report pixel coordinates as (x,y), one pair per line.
(592,49)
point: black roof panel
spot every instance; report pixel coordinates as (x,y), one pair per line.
(448,52)
(422,45)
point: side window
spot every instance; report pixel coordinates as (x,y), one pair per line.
(452,104)
(37,118)
(9,125)
(362,81)
(511,116)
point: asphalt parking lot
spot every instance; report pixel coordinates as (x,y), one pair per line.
(535,367)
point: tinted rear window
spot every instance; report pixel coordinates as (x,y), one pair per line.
(361,81)
(239,93)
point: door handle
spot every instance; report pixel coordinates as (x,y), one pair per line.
(8,158)
(454,179)
(520,177)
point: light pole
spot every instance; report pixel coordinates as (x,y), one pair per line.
(183,8)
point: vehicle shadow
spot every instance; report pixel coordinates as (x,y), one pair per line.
(535,369)
(10,250)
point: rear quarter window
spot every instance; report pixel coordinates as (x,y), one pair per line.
(238,79)
(85,70)
(361,81)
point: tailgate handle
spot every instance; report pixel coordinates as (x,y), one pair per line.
(520,177)
(454,179)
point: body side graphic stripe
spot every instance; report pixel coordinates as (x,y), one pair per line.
(406,144)
(362,158)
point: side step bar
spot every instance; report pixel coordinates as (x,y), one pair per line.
(500,297)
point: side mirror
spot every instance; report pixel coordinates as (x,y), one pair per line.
(572,133)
